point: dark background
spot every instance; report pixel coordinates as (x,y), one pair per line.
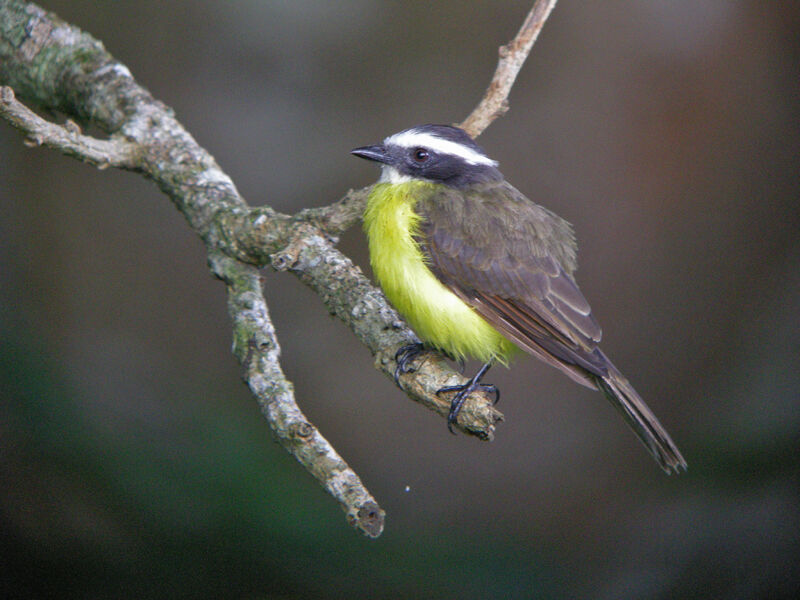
(134,463)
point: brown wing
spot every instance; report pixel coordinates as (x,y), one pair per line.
(512,260)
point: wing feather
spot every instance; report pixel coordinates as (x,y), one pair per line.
(511,260)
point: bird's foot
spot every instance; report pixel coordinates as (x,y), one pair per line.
(463,392)
(404,357)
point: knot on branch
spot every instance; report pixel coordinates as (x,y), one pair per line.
(283,261)
(287,258)
(302,430)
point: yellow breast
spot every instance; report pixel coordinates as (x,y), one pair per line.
(437,315)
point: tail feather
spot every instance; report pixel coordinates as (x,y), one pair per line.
(644,423)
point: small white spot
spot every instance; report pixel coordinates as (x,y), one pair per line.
(412,138)
(408,489)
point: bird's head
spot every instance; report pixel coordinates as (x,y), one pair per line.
(436,153)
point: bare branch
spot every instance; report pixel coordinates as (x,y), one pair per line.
(512,56)
(256,346)
(67,138)
(340,216)
(64,69)
(61,68)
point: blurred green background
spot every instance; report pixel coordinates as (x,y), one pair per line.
(134,463)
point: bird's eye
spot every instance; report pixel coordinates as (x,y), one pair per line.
(420,155)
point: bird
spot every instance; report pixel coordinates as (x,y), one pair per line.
(479,270)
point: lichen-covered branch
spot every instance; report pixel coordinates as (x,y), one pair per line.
(256,346)
(512,56)
(53,65)
(61,68)
(67,138)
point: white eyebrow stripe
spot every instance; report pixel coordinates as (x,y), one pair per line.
(413,138)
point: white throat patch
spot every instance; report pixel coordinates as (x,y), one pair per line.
(413,138)
(391,175)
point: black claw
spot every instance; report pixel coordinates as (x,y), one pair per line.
(455,408)
(404,357)
(462,364)
(463,391)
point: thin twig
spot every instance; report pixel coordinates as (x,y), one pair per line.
(512,56)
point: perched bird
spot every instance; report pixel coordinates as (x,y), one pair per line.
(479,270)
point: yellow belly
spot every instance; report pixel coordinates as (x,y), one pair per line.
(437,315)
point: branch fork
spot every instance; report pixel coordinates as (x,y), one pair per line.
(61,68)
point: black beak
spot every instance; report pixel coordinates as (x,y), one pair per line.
(376,153)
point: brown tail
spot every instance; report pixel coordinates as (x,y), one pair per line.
(641,419)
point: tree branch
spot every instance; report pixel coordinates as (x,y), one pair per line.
(66,138)
(512,56)
(256,346)
(60,68)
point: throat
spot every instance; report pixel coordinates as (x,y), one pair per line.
(390,174)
